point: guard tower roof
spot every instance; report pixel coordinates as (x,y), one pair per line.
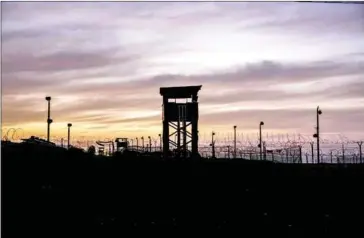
(180,92)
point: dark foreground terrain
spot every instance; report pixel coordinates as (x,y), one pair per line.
(52,192)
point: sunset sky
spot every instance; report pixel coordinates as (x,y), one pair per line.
(103,65)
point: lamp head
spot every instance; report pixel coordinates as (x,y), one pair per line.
(234,127)
(142,138)
(315,135)
(148,137)
(319,112)
(213,133)
(261,123)
(69,124)
(159,135)
(49,121)
(48,98)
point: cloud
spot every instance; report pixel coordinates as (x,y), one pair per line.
(310,18)
(253,75)
(103,63)
(303,120)
(63,61)
(243,87)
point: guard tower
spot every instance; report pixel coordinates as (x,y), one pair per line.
(182,118)
(121,144)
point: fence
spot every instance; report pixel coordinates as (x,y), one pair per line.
(278,148)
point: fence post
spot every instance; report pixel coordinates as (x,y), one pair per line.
(338,159)
(265,153)
(313,161)
(360,143)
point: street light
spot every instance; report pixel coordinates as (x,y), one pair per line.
(143,142)
(49,120)
(317,134)
(160,141)
(260,138)
(150,144)
(213,144)
(69,134)
(234,142)
(137,143)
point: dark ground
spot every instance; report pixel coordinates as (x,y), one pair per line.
(50,192)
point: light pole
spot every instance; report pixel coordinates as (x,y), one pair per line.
(234,142)
(49,120)
(132,143)
(137,143)
(160,141)
(150,144)
(260,139)
(317,134)
(213,144)
(143,142)
(69,134)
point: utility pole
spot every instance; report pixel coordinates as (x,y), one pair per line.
(234,142)
(49,120)
(69,134)
(150,144)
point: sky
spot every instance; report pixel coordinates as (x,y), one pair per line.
(103,65)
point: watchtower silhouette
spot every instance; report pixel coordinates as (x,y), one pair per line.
(180,116)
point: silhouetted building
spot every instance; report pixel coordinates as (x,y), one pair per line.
(181,117)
